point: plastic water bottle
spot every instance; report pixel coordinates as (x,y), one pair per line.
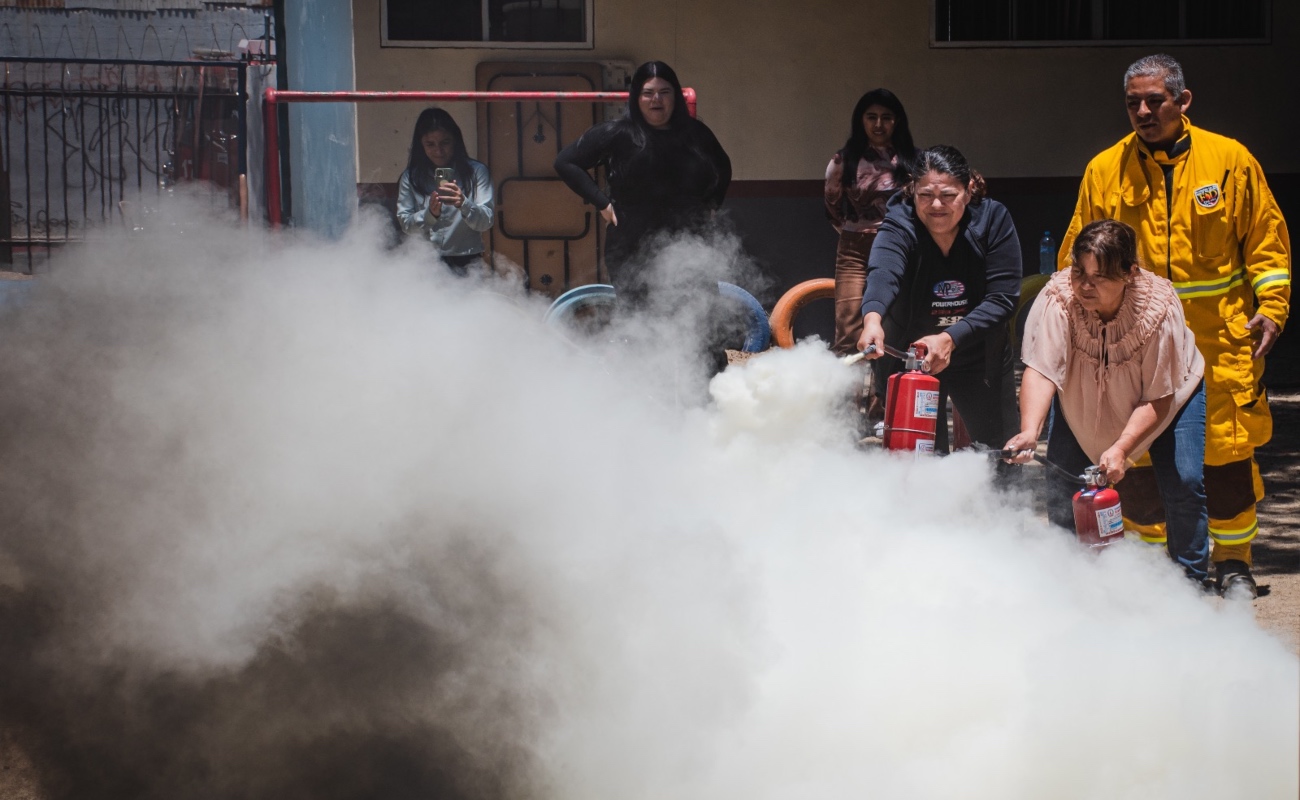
(1047,254)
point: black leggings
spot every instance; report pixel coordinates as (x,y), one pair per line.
(987,405)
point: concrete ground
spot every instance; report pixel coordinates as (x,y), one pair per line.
(1277,549)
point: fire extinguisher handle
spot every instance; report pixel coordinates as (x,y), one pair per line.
(1095,477)
(886,349)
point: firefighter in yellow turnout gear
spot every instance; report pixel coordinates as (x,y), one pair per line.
(1207,221)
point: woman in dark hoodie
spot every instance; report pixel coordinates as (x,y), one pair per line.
(666,173)
(945,272)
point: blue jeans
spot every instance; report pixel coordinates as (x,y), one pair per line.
(1177,456)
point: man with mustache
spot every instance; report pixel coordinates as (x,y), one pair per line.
(1207,221)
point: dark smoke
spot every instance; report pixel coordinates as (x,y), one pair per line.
(338,707)
(400,684)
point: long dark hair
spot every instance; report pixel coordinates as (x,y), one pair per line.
(947,160)
(645,73)
(858,143)
(646,156)
(420,168)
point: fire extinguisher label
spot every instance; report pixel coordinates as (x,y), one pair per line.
(926,404)
(924,446)
(1110,522)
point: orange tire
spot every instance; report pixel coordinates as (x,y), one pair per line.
(792,302)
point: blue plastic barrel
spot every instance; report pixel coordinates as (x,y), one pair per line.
(13,290)
(758,334)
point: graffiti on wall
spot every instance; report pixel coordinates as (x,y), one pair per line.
(148,33)
(81,138)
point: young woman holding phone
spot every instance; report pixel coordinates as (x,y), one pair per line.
(444,195)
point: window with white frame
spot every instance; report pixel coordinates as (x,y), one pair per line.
(1082,22)
(487,23)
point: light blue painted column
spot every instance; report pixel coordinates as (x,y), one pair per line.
(322,136)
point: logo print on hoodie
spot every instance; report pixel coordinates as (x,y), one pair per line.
(947,290)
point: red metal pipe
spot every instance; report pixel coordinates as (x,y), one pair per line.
(271,117)
(274,96)
(406,97)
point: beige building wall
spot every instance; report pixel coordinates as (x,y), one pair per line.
(777,81)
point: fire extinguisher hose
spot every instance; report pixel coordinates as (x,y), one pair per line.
(1064,473)
(908,430)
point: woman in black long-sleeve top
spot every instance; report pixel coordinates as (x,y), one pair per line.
(666,173)
(945,271)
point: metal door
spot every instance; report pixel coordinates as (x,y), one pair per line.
(541,225)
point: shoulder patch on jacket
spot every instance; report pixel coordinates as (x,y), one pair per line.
(1207,196)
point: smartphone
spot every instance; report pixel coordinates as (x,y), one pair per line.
(443,175)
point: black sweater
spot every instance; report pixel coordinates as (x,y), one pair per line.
(675,171)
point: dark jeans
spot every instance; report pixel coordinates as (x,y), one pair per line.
(1177,456)
(459,265)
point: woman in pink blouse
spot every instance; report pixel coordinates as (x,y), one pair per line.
(1108,340)
(859,181)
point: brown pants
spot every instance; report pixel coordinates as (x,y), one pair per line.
(850,283)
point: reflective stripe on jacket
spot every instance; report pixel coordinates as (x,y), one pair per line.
(1220,239)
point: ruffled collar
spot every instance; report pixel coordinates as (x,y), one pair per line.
(1106,346)
(1109,344)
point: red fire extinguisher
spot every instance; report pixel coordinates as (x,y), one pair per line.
(911,404)
(1097,517)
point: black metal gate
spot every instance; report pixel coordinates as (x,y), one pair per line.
(88,143)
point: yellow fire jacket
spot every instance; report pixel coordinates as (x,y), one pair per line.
(1219,236)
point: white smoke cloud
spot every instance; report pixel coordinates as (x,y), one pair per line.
(228,430)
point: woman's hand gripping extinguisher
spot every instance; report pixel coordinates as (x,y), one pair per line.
(1097,517)
(911,404)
